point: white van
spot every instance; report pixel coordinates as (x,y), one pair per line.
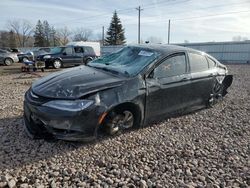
(94,45)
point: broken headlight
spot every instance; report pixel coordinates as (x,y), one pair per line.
(68,105)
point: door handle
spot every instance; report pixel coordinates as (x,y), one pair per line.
(185,79)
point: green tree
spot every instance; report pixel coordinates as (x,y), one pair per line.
(54,38)
(115,33)
(39,35)
(47,33)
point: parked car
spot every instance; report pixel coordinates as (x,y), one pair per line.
(32,55)
(127,89)
(8,58)
(68,55)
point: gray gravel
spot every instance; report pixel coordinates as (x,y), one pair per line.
(209,148)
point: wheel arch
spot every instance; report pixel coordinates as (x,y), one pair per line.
(133,107)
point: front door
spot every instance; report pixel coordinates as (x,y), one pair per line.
(168,87)
(68,56)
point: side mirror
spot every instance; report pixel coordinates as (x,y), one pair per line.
(64,53)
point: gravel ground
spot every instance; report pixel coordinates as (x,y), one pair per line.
(209,148)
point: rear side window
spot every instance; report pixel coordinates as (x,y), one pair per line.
(211,63)
(78,49)
(197,62)
(172,66)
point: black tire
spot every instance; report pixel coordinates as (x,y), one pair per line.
(8,61)
(25,59)
(57,64)
(119,121)
(216,94)
(87,61)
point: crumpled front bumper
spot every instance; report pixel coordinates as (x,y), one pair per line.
(40,121)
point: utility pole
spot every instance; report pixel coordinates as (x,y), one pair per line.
(139,24)
(103,35)
(168,31)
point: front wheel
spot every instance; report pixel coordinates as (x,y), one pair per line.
(119,121)
(57,64)
(8,61)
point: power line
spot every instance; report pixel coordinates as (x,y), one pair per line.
(121,10)
(199,17)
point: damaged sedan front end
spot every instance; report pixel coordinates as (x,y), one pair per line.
(124,90)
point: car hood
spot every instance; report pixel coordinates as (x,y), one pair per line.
(75,83)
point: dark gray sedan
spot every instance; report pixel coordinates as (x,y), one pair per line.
(127,89)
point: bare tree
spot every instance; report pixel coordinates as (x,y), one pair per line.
(23,30)
(63,35)
(239,38)
(82,34)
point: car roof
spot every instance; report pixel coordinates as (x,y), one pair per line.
(165,48)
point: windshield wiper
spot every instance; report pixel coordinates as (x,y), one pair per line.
(106,69)
(110,70)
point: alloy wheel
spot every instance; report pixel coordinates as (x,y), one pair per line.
(57,64)
(120,122)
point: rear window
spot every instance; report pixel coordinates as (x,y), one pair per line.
(211,63)
(197,62)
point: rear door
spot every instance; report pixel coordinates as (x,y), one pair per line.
(202,78)
(78,54)
(167,87)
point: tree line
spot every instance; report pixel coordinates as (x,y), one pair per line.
(21,33)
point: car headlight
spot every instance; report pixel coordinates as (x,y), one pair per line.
(73,106)
(47,56)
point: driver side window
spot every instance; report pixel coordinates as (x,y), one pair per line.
(172,66)
(68,51)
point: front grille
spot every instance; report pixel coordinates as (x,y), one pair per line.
(35,99)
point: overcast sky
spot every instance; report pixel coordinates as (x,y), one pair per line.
(192,20)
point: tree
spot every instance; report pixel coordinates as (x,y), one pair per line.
(81,34)
(39,35)
(115,33)
(239,38)
(63,35)
(54,37)
(12,39)
(46,32)
(22,29)
(4,39)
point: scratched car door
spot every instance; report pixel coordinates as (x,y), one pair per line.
(167,86)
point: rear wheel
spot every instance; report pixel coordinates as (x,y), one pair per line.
(8,61)
(216,95)
(87,61)
(119,121)
(57,64)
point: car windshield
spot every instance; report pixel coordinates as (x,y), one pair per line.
(56,50)
(128,61)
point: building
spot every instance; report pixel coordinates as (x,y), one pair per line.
(226,52)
